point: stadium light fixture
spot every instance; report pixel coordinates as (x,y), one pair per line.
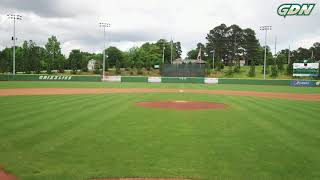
(104,26)
(14,17)
(266,29)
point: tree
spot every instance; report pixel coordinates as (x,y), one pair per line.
(75,59)
(252,51)
(192,54)
(97,67)
(114,55)
(118,65)
(178,49)
(316,51)
(5,55)
(252,71)
(53,51)
(216,40)
(281,59)
(274,69)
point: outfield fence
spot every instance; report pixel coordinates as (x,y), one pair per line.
(29,77)
(145,79)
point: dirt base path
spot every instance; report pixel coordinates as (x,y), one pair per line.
(140,179)
(6,176)
(53,91)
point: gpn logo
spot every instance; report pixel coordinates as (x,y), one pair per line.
(295,9)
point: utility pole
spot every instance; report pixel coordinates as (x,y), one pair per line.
(212,59)
(289,56)
(265,28)
(275,46)
(104,26)
(164,47)
(14,17)
(171,46)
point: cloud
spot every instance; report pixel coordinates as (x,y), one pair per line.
(75,23)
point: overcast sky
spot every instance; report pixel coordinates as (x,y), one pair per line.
(133,22)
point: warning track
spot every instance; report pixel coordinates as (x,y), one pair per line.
(57,91)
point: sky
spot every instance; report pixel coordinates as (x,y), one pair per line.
(133,22)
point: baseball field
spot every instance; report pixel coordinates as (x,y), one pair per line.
(95,130)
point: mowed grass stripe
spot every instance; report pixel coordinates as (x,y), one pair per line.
(27,104)
(79,129)
(280,145)
(292,125)
(10,106)
(240,142)
(54,118)
(41,112)
(234,87)
(295,140)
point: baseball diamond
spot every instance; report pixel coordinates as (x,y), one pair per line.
(93,130)
(159,90)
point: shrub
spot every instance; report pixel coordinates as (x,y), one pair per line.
(274,71)
(229,72)
(252,71)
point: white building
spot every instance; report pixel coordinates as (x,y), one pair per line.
(91,64)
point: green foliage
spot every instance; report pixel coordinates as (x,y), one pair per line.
(281,59)
(118,66)
(229,71)
(237,68)
(97,67)
(75,59)
(289,70)
(252,71)
(114,55)
(274,71)
(53,51)
(192,54)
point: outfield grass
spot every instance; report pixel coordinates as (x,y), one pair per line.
(235,87)
(74,137)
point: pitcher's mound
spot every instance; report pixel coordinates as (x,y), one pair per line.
(182,105)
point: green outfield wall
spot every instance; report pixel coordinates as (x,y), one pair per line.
(134,79)
(182,80)
(49,78)
(145,79)
(254,82)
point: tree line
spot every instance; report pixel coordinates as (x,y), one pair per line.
(232,44)
(229,43)
(31,58)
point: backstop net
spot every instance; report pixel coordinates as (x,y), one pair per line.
(183,70)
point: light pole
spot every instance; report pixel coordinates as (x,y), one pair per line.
(14,17)
(104,26)
(265,28)
(163,53)
(212,59)
(171,48)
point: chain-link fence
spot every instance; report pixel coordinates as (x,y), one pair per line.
(183,70)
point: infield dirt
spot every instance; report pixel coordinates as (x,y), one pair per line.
(56,91)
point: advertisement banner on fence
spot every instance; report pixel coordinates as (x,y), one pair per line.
(306,69)
(304,83)
(112,78)
(211,80)
(154,79)
(55,78)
